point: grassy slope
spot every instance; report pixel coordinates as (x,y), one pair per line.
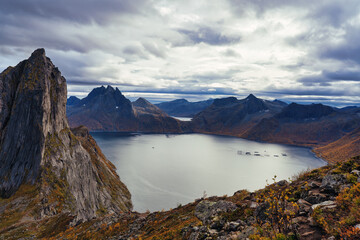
(338,222)
(342,149)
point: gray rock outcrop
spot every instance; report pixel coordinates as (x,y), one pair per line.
(38,148)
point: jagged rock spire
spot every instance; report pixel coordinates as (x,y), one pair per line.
(38,148)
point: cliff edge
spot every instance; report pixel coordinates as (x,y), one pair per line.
(65,168)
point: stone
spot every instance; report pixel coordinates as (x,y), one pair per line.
(232,226)
(357,226)
(253,204)
(37,146)
(323,205)
(314,184)
(282,183)
(314,196)
(331,183)
(260,211)
(206,210)
(244,234)
(356,172)
(304,207)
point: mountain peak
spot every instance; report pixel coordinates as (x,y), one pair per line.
(251,96)
(38,148)
(72,100)
(38,52)
(110,88)
(142,100)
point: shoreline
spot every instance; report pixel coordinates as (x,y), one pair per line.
(132,133)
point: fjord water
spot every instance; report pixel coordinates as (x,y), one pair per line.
(162,171)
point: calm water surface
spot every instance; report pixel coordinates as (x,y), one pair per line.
(162,171)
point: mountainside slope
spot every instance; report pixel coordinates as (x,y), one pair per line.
(318,204)
(103,109)
(346,147)
(64,170)
(143,106)
(106,109)
(306,125)
(72,100)
(234,117)
(184,108)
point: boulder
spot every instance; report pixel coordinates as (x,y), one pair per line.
(331,183)
(206,211)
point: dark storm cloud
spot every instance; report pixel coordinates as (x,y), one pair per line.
(209,36)
(327,77)
(198,91)
(84,12)
(189,47)
(346,50)
(241,7)
(98,83)
(316,80)
(331,12)
(345,75)
(60,24)
(310,92)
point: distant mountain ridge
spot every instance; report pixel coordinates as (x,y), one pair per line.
(107,109)
(231,116)
(183,108)
(72,100)
(312,125)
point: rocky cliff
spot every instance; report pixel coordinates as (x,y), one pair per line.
(66,169)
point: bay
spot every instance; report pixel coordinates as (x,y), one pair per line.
(163,171)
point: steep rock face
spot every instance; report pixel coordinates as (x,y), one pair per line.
(32,107)
(38,148)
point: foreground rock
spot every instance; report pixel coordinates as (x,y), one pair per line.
(64,171)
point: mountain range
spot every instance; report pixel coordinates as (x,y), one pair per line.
(184,108)
(107,109)
(55,183)
(312,125)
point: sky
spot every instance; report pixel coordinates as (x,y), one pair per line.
(298,51)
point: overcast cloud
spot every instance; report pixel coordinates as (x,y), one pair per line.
(304,51)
